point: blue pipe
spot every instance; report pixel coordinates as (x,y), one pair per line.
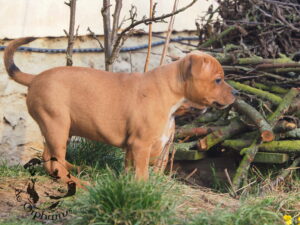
(86,50)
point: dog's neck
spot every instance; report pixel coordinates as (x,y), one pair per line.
(168,81)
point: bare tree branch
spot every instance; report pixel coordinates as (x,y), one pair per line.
(170,29)
(128,30)
(70,34)
(95,37)
(116,19)
(149,38)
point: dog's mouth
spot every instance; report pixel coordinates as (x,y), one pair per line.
(219,106)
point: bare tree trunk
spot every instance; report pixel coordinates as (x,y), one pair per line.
(107,33)
(71,36)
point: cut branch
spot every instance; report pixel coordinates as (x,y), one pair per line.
(218,37)
(291,134)
(283,106)
(288,146)
(194,131)
(251,113)
(235,127)
(260,93)
(149,37)
(242,171)
(170,29)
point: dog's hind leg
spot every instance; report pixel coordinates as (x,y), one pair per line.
(56,133)
(47,164)
(46,158)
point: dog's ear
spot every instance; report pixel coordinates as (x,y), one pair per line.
(197,61)
(191,65)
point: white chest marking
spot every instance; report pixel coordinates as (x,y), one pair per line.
(168,127)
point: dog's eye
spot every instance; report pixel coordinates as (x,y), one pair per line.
(218,80)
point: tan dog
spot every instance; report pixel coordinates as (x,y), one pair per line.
(131,111)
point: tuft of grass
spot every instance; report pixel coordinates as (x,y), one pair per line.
(120,199)
(218,184)
(20,221)
(94,155)
(12,171)
(250,213)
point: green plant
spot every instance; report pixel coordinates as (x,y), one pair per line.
(120,199)
(250,213)
(20,221)
(218,184)
(94,155)
(12,171)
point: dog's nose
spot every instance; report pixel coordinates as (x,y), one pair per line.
(235,92)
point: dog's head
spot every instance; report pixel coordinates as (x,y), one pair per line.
(204,83)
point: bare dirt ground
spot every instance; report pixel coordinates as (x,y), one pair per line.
(195,199)
(15,201)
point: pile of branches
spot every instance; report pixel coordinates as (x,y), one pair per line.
(262,27)
(256,43)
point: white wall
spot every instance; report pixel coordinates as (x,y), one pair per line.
(41,18)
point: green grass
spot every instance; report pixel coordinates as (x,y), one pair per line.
(12,171)
(268,210)
(20,221)
(250,213)
(93,156)
(120,199)
(257,205)
(117,198)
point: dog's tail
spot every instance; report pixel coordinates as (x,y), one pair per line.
(13,71)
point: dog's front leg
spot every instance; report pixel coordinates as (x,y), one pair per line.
(128,160)
(141,156)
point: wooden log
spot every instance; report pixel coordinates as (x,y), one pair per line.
(210,116)
(284,70)
(262,63)
(291,134)
(237,69)
(188,155)
(277,65)
(242,171)
(283,106)
(284,126)
(282,61)
(217,38)
(276,100)
(264,127)
(276,158)
(193,131)
(237,144)
(236,126)
(286,146)
(271,88)
(185,146)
